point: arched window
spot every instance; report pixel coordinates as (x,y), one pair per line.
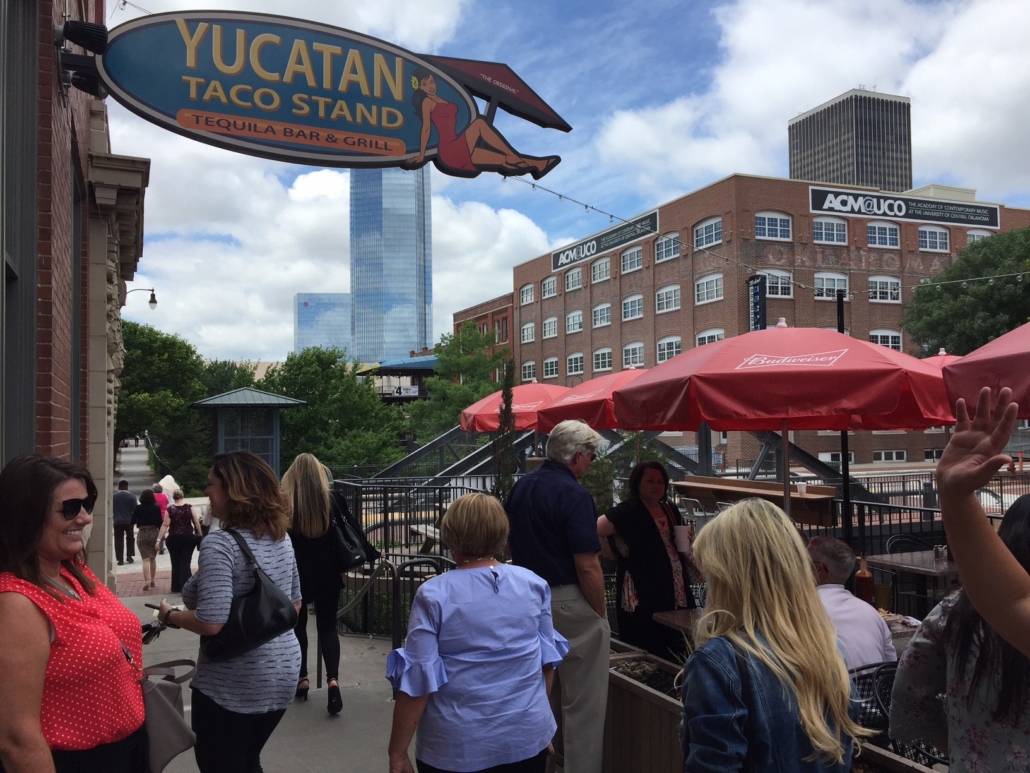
(667,299)
(710,336)
(778,284)
(550,328)
(549,287)
(600,270)
(829,230)
(883,235)
(529,370)
(708,232)
(574,364)
(573,321)
(632,259)
(933,238)
(633,355)
(772,225)
(632,307)
(884,289)
(526,294)
(667,247)
(602,315)
(573,279)
(551,367)
(707,289)
(669,347)
(603,359)
(528,333)
(827,284)
(889,338)
(974,235)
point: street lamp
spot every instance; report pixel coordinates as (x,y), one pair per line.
(152,303)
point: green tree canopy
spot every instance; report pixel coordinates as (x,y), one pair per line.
(222,376)
(961,317)
(463,375)
(345,421)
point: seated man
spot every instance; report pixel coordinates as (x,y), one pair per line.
(864,635)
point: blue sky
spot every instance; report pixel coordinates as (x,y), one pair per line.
(664,97)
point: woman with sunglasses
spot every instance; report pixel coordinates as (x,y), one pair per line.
(70,652)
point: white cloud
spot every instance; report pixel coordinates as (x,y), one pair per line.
(965,66)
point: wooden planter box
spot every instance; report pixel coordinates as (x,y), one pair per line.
(641,727)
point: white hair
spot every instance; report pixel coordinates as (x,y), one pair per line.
(569,438)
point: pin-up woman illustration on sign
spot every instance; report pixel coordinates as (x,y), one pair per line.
(479,148)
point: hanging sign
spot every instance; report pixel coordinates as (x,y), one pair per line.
(624,233)
(851,203)
(309,93)
(756,297)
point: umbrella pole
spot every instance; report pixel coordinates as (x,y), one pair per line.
(785,453)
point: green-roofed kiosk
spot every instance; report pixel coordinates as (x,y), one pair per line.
(248,420)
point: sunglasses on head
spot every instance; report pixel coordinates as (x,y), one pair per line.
(70,507)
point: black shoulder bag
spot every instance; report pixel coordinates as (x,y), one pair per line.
(348,548)
(254,619)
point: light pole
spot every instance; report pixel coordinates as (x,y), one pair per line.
(152,303)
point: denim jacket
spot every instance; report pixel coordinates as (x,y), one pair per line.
(734,722)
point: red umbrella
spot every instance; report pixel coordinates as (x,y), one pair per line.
(783,379)
(526,400)
(941,359)
(590,401)
(1004,362)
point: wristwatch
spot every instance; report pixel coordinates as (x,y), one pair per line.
(167,622)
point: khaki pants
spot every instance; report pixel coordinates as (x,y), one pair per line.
(582,677)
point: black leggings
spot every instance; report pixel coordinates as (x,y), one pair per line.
(228,742)
(126,756)
(534,764)
(325,623)
(180,548)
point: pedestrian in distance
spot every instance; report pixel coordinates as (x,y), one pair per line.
(146,517)
(162,501)
(554,534)
(123,503)
(182,529)
(314,509)
(477,664)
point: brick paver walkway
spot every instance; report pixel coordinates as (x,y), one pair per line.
(131,585)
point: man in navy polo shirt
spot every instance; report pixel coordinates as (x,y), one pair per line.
(554,533)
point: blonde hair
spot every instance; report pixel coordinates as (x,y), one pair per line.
(475,525)
(306,485)
(762,598)
(177,494)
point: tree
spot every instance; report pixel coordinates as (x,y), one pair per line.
(222,376)
(463,375)
(345,422)
(504,438)
(947,312)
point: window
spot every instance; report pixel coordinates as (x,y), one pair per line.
(708,233)
(501,328)
(602,315)
(600,270)
(633,355)
(573,321)
(932,454)
(526,294)
(573,279)
(632,259)
(884,289)
(933,238)
(603,359)
(708,288)
(528,371)
(827,285)
(551,367)
(829,230)
(882,235)
(772,225)
(667,247)
(976,236)
(778,284)
(889,338)
(528,332)
(833,457)
(669,347)
(550,328)
(633,307)
(549,287)
(574,363)
(890,456)
(667,299)
(710,336)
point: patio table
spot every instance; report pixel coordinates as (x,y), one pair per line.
(922,564)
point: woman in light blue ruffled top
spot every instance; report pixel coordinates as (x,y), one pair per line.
(479,658)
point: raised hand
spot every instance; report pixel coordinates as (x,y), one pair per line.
(974,454)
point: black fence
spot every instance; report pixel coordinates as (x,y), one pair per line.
(401,518)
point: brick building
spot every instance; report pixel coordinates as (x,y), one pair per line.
(71,226)
(635,297)
(495,314)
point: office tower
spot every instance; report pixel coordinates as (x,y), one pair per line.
(391,264)
(858,138)
(322,319)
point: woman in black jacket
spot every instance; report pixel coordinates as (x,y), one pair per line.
(651,576)
(314,509)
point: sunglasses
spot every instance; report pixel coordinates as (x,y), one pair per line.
(70,507)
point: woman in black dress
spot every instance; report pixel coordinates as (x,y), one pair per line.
(651,576)
(314,508)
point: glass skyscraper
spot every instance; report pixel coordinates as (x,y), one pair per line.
(322,319)
(391,263)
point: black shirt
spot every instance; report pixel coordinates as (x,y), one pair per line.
(552,518)
(147,515)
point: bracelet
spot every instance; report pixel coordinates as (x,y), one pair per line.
(168,618)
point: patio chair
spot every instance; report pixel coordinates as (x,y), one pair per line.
(924,753)
(700,593)
(724,506)
(870,715)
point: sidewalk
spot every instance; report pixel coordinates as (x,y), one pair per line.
(308,739)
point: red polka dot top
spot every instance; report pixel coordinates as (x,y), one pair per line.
(91,693)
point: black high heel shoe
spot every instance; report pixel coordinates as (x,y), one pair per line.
(302,692)
(335,699)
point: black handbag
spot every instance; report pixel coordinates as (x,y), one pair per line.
(254,618)
(348,547)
